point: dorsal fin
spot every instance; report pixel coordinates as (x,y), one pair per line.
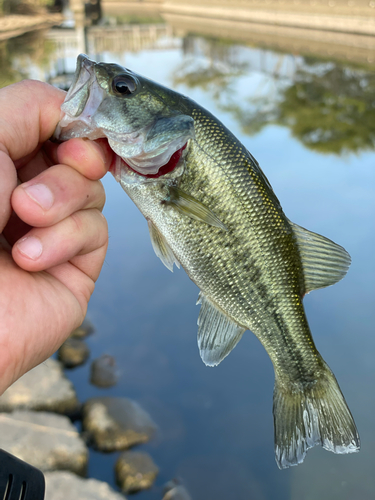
(161,247)
(324,262)
(217,334)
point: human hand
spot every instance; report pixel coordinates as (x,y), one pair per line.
(53,245)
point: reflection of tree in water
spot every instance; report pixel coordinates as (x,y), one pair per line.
(212,67)
(331,110)
(210,77)
(8,73)
(18,54)
(329,107)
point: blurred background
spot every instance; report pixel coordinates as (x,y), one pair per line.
(295,81)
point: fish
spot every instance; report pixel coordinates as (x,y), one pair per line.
(210,208)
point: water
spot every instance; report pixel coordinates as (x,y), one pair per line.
(310,123)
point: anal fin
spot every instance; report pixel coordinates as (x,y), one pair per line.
(217,334)
(161,247)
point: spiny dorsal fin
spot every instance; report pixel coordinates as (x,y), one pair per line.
(324,262)
(161,247)
(217,334)
(193,208)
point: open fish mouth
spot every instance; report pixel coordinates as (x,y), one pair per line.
(148,149)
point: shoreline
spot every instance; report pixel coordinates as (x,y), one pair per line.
(341,29)
(16,25)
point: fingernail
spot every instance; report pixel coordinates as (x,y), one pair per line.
(31,247)
(41,194)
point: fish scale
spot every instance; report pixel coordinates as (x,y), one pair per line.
(214,212)
(253,313)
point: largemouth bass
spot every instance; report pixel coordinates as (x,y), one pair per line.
(210,208)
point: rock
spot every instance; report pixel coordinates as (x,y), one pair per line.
(135,470)
(73,352)
(104,372)
(116,423)
(44,388)
(175,491)
(83,331)
(45,440)
(65,485)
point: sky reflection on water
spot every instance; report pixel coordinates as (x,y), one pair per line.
(216,428)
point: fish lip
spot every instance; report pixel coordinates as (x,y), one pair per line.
(83,63)
(73,113)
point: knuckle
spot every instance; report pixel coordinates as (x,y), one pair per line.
(92,227)
(78,222)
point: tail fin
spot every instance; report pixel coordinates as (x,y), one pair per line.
(317,414)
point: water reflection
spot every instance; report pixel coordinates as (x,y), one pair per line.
(24,57)
(216,424)
(329,106)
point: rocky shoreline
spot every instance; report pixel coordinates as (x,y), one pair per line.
(37,415)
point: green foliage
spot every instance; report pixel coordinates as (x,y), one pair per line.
(24,7)
(216,75)
(17,54)
(331,111)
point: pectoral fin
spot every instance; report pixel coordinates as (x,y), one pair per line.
(217,334)
(193,208)
(161,247)
(324,262)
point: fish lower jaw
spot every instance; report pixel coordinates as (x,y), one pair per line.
(70,128)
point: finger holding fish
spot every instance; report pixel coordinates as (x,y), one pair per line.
(45,247)
(55,194)
(56,214)
(90,158)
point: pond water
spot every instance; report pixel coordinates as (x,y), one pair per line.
(310,123)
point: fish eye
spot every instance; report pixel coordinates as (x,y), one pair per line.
(124,85)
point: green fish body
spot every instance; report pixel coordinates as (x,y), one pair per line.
(210,209)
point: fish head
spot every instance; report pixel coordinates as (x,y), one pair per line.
(144,122)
